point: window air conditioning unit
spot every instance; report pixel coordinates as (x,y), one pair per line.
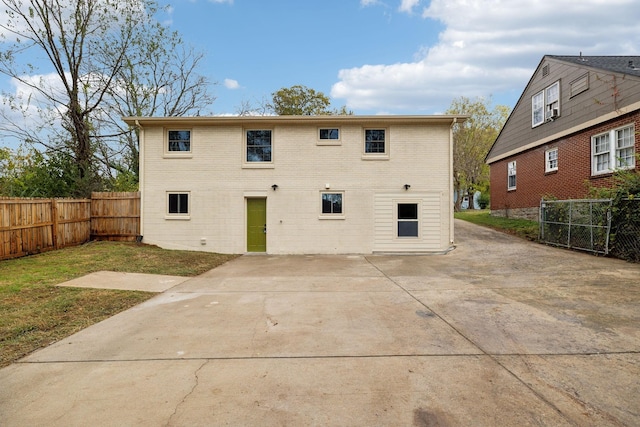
(552,114)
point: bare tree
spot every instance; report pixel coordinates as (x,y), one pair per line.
(104,59)
(157,79)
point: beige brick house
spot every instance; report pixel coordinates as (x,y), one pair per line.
(297,184)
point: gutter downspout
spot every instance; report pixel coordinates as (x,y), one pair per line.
(141,175)
(450,198)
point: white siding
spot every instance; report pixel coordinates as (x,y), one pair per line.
(431,237)
(218,184)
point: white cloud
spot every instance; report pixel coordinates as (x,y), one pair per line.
(231,84)
(408,5)
(489,47)
(365,3)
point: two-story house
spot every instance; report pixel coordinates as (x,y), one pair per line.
(575,123)
(297,184)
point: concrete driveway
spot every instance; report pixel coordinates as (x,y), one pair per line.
(497,332)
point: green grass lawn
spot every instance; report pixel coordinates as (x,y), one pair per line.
(35,313)
(519,227)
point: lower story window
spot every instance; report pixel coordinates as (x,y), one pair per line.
(408,220)
(612,150)
(511,175)
(178,203)
(331,203)
(551,160)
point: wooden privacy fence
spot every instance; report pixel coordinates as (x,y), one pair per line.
(29,226)
(115,216)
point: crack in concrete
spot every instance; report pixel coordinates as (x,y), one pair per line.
(186,396)
(476,345)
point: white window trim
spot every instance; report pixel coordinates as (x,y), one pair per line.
(540,100)
(547,160)
(177,154)
(387,145)
(332,215)
(612,152)
(509,174)
(320,141)
(396,220)
(549,105)
(535,108)
(257,165)
(178,216)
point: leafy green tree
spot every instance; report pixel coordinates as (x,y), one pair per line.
(472,140)
(32,174)
(302,101)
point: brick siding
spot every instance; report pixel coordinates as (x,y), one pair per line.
(570,181)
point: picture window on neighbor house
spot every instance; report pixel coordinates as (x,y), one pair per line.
(330,133)
(374,141)
(551,160)
(179,141)
(511,175)
(606,156)
(408,224)
(259,146)
(178,203)
(332,203)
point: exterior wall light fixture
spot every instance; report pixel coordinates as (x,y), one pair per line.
(275,187)
(407,186)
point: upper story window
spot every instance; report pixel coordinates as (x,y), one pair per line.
(179,141)
(329,133)
(537,109)
(552,101)
(551,160)
(376,144)
(511,175)
(614,149)
(259,146)
(328,136)
(374,141)
(545,105)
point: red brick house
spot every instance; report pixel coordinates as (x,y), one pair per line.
(577,121)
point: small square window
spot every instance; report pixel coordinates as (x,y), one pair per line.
(551,160)
(375,141)
(330,133)
(511,175)
(332,203)
(259,146)
(179,141)
(178,203)
(408,224)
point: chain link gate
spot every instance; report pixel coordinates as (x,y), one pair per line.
(576,224)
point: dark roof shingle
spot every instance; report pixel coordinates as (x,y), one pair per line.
(619,64)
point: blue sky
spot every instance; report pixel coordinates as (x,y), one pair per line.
(391,56)
(395,56)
